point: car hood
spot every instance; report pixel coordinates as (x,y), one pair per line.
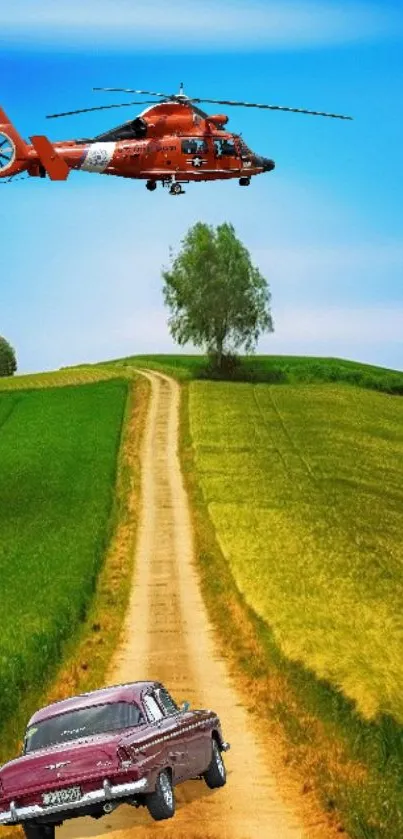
(59,764)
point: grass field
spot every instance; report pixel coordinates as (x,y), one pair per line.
(58,455)
(304,488)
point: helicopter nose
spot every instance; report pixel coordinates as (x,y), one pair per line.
(268,165)
(264,163)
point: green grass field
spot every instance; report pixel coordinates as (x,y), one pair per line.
(58,455)
(304,488)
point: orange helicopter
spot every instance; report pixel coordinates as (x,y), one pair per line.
(172,142)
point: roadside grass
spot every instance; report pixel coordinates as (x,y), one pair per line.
(57,516)
(275,369)
(297,509)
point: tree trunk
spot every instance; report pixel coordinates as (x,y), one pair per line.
(219,348)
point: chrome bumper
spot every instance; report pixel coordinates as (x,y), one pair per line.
(15,815)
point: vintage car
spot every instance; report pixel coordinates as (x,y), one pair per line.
(127,744)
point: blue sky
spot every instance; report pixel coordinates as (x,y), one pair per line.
(80,262)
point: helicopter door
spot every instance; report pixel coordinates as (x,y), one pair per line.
(225,154)
(195,153)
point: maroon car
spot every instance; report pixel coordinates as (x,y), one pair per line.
(128,744)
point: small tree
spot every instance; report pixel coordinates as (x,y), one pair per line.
(218,300)
(8,362)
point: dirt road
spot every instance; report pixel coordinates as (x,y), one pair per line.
(168,637)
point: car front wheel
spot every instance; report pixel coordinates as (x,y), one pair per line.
(39,831)
(161,802)
(215,775)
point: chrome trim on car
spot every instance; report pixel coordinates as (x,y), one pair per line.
(15,815)
(145,744)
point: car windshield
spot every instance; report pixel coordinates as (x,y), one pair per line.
(85,722)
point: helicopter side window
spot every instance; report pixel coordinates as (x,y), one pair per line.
(224,147)
(194,145)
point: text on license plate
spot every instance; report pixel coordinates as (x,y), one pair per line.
(61,796)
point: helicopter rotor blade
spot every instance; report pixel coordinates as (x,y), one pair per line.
(137,92)
(270,107)
(181,98)
(98,108)
(198,111)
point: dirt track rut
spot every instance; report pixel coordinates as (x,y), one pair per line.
(168,636)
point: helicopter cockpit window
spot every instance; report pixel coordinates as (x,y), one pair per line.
(224,146)
(245,151)
(194,145)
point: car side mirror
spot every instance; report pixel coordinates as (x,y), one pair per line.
(185,706)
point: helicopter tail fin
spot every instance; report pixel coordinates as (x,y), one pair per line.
(13,150)
(52,162)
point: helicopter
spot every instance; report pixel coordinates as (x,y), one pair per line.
(172,142)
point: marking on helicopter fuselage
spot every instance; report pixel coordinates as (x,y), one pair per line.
(98,157)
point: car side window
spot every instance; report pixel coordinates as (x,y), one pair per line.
(166,701)
(153,710)
(135,716)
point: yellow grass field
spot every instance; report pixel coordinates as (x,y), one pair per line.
(303,485)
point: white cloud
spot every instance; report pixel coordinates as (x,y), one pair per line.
(359,325)
(370,334)
(204,23)
(368,256)
(368,271)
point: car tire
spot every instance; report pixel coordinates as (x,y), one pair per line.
(215,775)
(161,802)
(39,831)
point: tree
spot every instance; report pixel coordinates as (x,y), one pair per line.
(218,300)
(8,362)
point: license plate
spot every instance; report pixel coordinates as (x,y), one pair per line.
(61,796)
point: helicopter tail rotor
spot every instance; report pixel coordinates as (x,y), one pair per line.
(13,149)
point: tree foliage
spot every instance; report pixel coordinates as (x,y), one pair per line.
(8,362)
(218,300)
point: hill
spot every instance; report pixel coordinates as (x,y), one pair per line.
(275,370)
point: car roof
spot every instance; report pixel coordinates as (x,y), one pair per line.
(115,693)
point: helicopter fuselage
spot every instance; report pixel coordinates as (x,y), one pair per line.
(168,143)
(192,158)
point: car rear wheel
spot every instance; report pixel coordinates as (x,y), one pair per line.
(39,831)
(161,803)
(215,775)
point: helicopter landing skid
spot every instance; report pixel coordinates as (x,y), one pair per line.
(175,188)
